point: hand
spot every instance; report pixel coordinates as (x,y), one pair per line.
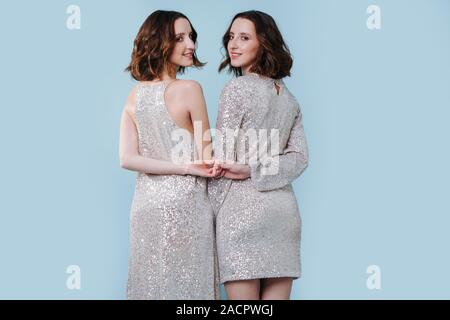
(205,169)
(217,170)
(232,170)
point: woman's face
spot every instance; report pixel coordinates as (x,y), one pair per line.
(182,54)
(243,44)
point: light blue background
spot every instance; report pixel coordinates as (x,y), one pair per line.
(376,114)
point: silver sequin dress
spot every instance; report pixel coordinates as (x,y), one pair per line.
(172,247)
(258,224)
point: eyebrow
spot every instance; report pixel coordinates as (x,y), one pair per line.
(241,33)
(182,33)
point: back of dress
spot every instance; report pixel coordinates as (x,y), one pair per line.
(258,222)
(269,137)
(172,247)
(268,113)
(154,123)
(156,128)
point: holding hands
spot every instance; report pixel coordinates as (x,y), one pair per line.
(217,169)
(231,170)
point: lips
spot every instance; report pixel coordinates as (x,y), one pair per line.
(234,55)
(188,55)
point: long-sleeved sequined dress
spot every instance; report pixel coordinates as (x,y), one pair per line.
(258,224)
(172,247)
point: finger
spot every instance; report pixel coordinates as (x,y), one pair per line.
(216,174)
(225,166)
(209,174)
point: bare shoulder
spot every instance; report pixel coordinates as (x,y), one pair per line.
(130,104)
(184,92)
(184,87)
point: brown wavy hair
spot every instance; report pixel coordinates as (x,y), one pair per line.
(273,59)
(154,44)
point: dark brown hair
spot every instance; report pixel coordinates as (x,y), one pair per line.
(154,44)
(273,59)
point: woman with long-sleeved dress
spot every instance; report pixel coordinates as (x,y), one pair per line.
(258,224)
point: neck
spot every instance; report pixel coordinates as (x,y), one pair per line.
(246,70)
(165,75)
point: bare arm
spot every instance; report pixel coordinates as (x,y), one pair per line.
(129,148)
(131,159)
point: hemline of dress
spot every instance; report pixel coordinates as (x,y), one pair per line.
(261,276)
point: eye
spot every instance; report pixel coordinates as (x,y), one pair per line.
(191,36)
(245,38)
(230,36)
(179,39)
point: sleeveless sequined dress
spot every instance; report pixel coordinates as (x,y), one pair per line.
(172,246)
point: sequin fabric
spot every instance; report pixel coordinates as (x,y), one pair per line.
(258,223)
(172,241)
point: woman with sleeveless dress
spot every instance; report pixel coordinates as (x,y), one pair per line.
(257,217)
(172,247)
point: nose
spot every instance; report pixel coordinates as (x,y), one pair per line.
(190,44)
(232,44)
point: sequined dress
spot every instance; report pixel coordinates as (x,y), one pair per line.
(172,247)
(258,223)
